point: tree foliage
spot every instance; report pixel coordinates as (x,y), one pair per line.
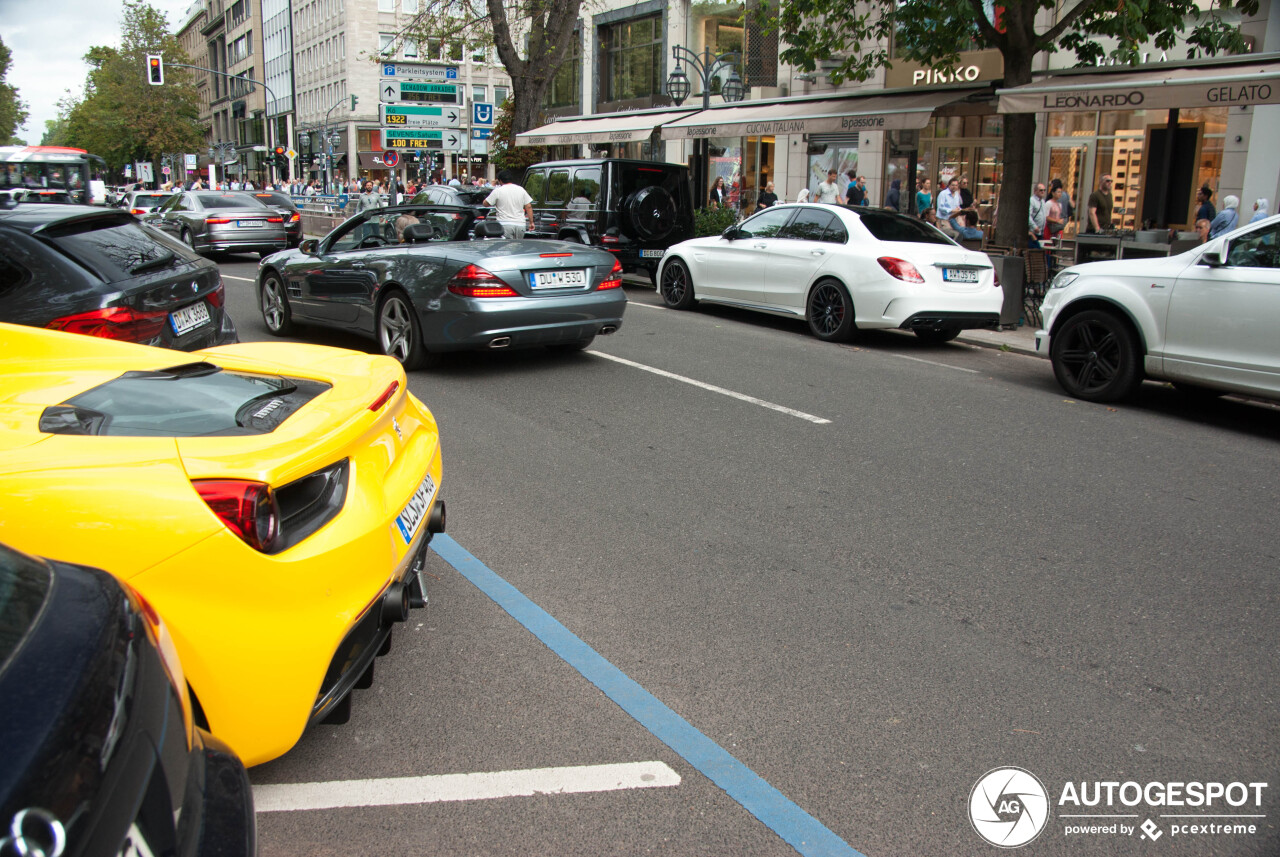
(13,111)
(851,41)
(504,154)
(546,27)
(121,117)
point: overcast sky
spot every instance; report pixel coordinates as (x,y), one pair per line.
(49,40)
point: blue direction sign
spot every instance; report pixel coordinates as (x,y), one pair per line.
(481,113)
(481,133)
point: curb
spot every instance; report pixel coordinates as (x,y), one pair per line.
(1013,345)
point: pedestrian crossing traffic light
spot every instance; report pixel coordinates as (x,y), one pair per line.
(280,161)
(155,70)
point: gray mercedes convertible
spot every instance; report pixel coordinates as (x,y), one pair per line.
(421,280)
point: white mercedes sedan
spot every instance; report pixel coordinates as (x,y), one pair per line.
(842,268)
(1207,320)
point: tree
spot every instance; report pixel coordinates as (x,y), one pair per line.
(13,112)
(549,26)
(121,117)
(503,153)
(935,31)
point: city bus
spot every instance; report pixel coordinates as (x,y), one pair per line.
(50,174)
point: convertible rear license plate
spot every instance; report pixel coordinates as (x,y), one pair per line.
(189,318)
(557,279)
(251,223)
(652,254)
(959,275)
(411,517)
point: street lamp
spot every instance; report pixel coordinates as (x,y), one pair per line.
(705,66)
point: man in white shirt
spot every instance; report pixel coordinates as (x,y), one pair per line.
(829,190)
(950,204)
(513,205)
(1036,214)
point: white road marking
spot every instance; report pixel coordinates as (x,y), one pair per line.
(241,279)
(713,388)
(630,304)
(936,363)
(294,797)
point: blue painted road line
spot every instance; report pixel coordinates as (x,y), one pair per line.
(797,828)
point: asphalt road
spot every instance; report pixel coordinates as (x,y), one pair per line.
(961,570)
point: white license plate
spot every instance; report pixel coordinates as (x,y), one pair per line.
(959,275)
(251,223)
(652,254)
(415,511)
(557,279)
(189,318)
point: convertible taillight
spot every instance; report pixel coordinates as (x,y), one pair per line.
(614,280)
(247,508)
(119,322)
(475,282)
(900,268)
(137,211)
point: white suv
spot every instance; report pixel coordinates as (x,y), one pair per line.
(1208,320)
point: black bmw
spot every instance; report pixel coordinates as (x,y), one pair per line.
(98,754)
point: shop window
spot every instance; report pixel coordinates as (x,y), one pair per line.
(840,156)
(761,50)
(565,89)
(631,52)
(1072,124)
(1122,123)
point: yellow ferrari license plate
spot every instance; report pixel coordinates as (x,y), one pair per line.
(415,511)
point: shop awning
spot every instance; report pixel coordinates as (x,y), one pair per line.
(614,128)
(1206,86)
(372,161)
(879,112)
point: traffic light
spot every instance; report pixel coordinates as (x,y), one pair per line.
(155,70)
(281,162)
(353,102)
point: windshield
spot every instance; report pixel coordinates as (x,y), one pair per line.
(117,246)
(228,200)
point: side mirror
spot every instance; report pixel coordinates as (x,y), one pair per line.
(311,247)
(730,233)
(1212,258)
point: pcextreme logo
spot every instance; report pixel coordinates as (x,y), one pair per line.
(1009,807)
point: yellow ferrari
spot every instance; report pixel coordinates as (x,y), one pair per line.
(273,501)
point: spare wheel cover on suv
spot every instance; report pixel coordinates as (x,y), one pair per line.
(650,213)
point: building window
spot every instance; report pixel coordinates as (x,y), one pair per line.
(632,55)
(386,5)
(385,41)
(565,89)
(478,93)
(455,52)
(499,95)
(410,48)
(479,54)
(433,49)
(409,7)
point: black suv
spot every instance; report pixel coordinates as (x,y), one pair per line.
(634,209)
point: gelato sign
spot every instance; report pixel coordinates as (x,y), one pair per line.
(1182,88)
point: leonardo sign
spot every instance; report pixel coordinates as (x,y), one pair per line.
(1203,86)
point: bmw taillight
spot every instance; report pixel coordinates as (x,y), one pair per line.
(122,323)
(475,282)
(218,296)
(614,280)
(247,508)
(900,268)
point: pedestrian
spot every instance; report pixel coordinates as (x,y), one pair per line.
(803,195)
(857,190)
(513,204)
(893,199)
(1260,207)
(829,191)
(1037,215)
(369,200)
(1227,218)
(1100,203)
(717,196)
(1068,207)
(966,195)
(949,204)
(1202,230)
(969,226)
(1054,219)
(453,182)
(924,196)
(768,199)
(1204,197)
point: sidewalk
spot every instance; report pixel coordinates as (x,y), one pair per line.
(1021,339)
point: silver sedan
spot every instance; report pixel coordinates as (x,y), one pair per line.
(211,221)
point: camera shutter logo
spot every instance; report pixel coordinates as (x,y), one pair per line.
(1009,807)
